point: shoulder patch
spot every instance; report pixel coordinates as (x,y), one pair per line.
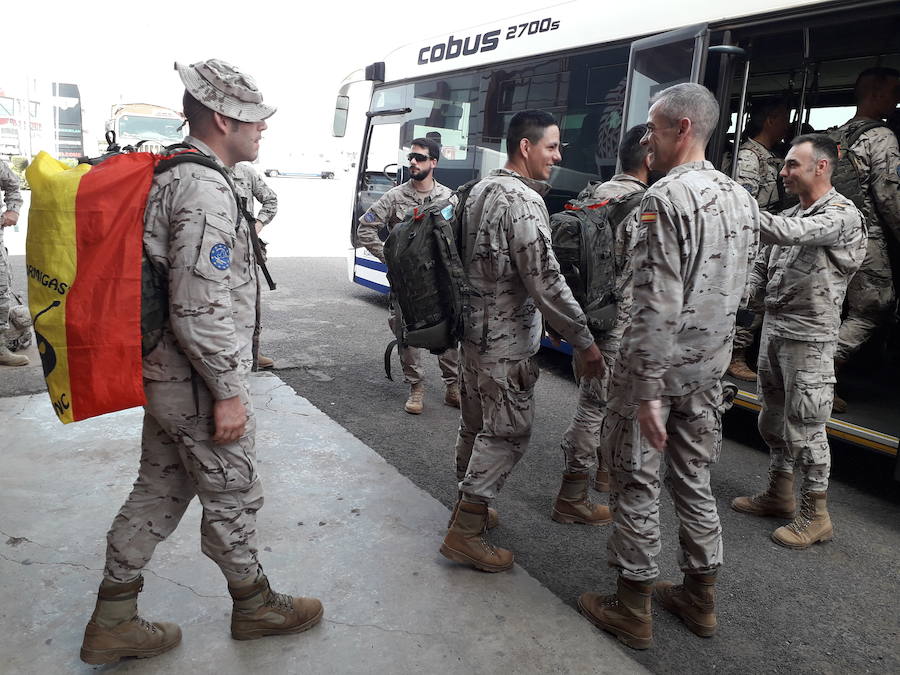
(369,217)
(747,187)
(898,170)
(648,217)
(220,256)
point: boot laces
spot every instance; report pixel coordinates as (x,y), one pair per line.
(280,601)
(804,518)
(144,624)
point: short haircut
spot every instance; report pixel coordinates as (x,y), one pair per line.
(692,101)
(434,150)
(761,110)
(631,152)
(197,115)
(823,147)
(871,80)
(530,124)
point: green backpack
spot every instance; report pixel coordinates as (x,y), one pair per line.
(583,238)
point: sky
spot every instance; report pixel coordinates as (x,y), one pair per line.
(124,51)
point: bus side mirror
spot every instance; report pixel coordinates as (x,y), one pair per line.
(339,128)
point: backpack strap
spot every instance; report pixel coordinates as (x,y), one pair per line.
(855,132)
(195,156)
(462,236)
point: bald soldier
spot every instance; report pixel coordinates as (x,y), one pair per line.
(697,240)
(391,209)
(198,435)
(871,290)
(817,247)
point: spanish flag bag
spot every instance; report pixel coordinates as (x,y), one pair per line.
(84,254)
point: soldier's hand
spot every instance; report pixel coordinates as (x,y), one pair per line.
(589,363)
(230,418)
(652,427)
(259,227)
(9,219)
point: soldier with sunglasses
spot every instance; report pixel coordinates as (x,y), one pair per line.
(388,211)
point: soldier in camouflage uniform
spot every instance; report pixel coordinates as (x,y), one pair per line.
(817,247)
(250,186)
(757,172)
(696,244)
(871,291)
(581,441)
(510,262)
(391,209)
(199,428)
(9,188)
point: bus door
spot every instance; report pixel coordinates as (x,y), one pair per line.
(660,61)
(379,164)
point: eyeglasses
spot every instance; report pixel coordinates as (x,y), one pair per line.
(418,156)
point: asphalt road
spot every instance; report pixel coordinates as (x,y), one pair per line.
(831,609)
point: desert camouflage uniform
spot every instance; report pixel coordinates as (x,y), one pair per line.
(815,252)
(9,188)
(511,264)
(251,186)
(697,241)
(757,173)
(204,355)
(871,289)
(388,211)
(581,441)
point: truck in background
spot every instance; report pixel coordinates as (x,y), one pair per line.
(145,126)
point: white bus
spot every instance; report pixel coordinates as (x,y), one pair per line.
(594,66)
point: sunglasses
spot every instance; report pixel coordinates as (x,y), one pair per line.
(418,156)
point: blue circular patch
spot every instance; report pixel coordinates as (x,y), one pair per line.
(220,257)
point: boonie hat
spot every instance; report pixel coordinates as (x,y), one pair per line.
(223,88)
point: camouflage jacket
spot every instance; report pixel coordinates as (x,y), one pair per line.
(698,238)
(251,186)
(510,262)
(9,189)
(195,237)
(878,151)
(757,172)
(390,209)
(814,254)
(626,230)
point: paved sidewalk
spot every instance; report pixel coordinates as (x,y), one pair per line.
(339,524)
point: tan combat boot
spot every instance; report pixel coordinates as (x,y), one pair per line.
(451,395)
(415,404)
(739,368)
(812,524)
(259,611)
(116,631)
(777,501)
(465,542)
(625,614)
(8,358)
(693,601)
(264,362)
(601,479)
(573,506)
(493,519)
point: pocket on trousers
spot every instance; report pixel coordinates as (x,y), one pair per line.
(220,468)
(811,399)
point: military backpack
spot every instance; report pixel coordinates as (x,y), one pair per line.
(849,175)
(428,281)
(583,238)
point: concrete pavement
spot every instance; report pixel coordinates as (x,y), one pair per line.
(339,523)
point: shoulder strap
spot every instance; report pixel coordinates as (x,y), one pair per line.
(863,127)
(624,205)
(462,196)
(194,156)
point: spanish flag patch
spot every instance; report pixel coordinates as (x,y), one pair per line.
(648,217)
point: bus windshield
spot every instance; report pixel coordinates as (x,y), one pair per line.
(150,128)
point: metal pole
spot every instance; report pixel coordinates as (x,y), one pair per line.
(739,122)
(802,104)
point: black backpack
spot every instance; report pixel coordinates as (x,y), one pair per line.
(583,238)
(848,177)
(427,276)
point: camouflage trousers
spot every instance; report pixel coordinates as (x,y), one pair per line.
(869,297)
(694,427)
(179,461)
(5,292)
(497,411)
(743,336)
(411,359)
(796,389)
(581,441)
